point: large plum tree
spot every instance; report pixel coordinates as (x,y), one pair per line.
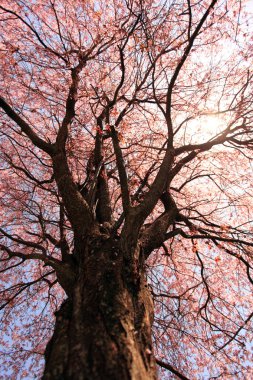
(126,189)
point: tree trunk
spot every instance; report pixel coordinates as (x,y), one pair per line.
(103,330)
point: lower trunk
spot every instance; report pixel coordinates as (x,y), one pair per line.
(103,330)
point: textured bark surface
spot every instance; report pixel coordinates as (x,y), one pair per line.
(103,331)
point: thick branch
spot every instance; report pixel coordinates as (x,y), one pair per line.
(155,234)
(121,170)
(103,211)
(70,105)
(78,211)
(157,187)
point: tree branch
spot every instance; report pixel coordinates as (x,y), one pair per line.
(171,369)
(122,171)
(25,128)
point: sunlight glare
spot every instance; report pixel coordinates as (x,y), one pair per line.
(206,127)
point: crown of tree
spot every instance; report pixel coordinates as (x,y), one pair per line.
(126,189)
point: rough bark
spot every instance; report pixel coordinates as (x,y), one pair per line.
(103,330)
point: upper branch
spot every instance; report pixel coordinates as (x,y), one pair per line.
(34,31)
(25,128)
(181,63)
(70,106)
